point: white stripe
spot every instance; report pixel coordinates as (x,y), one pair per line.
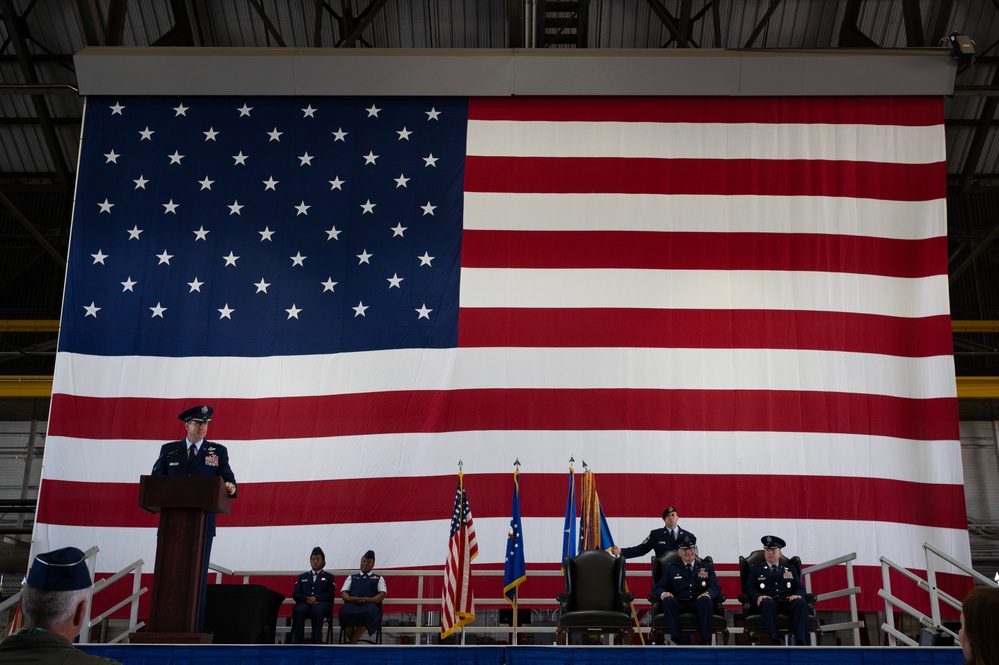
(836,215)
(651,140)
(704,289)
(490,367)
(425,455)
(424,544)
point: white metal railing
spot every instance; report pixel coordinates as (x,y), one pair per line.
(425,623)
(929,585)
(427,608)
(135,568)
(851,591)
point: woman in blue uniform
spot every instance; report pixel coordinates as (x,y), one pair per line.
(362,595)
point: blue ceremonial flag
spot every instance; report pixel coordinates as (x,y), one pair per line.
(570,541)
(516,570)
(606,539)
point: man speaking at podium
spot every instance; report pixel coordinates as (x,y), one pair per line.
(196,456)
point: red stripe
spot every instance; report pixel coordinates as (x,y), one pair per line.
(706,329)
(905,111)
(733,496)
(514,409)
(704,251)
(705,177)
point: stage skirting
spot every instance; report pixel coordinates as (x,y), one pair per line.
(523,655)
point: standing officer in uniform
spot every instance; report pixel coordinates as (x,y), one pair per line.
(688,586)
(313,594)
(54,603)
(661,540)
(362,595)
(776,588)
(196,456)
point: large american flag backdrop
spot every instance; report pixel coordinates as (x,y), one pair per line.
(737,306)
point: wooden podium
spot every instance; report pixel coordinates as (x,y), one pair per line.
(184,503)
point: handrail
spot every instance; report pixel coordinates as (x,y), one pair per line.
(420,600)
(90,556)
(135,569)
(929,585)
(851,591)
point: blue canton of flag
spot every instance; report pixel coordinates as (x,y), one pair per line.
(225,226)
(516,570)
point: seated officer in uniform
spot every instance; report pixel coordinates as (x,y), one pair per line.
(661,540)
(362,595)
(688,585)
(313,594)
(54,603)
(776,588)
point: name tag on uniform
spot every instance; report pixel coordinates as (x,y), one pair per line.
(174,463)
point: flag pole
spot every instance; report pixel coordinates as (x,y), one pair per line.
(461,483)
(516,591)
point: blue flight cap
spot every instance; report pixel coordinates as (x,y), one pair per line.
(199,414)
(370,554)
(687,542)
(318,550)
(60,570)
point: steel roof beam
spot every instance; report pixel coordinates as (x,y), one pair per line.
(850,34)
(16,32)
(977,146)
(366,16)
(270,27)
(762,24)
(185,30)
(913,22)
(669,21)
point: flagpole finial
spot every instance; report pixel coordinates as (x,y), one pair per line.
(516,463)
(460,464)
(585,468)
(572,460)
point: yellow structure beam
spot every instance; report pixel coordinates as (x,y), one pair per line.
(968,387)
(974,326)
(26,386)
(978,387)
(29,325)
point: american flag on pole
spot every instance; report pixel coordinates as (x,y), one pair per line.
(458,602)
(701,297)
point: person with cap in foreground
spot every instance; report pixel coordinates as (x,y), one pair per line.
(688,585)
(362,595)
(54,604)
(661,540)
(195,455)
(777,589)
(313,594)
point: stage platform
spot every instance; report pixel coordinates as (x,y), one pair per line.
(524,655)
